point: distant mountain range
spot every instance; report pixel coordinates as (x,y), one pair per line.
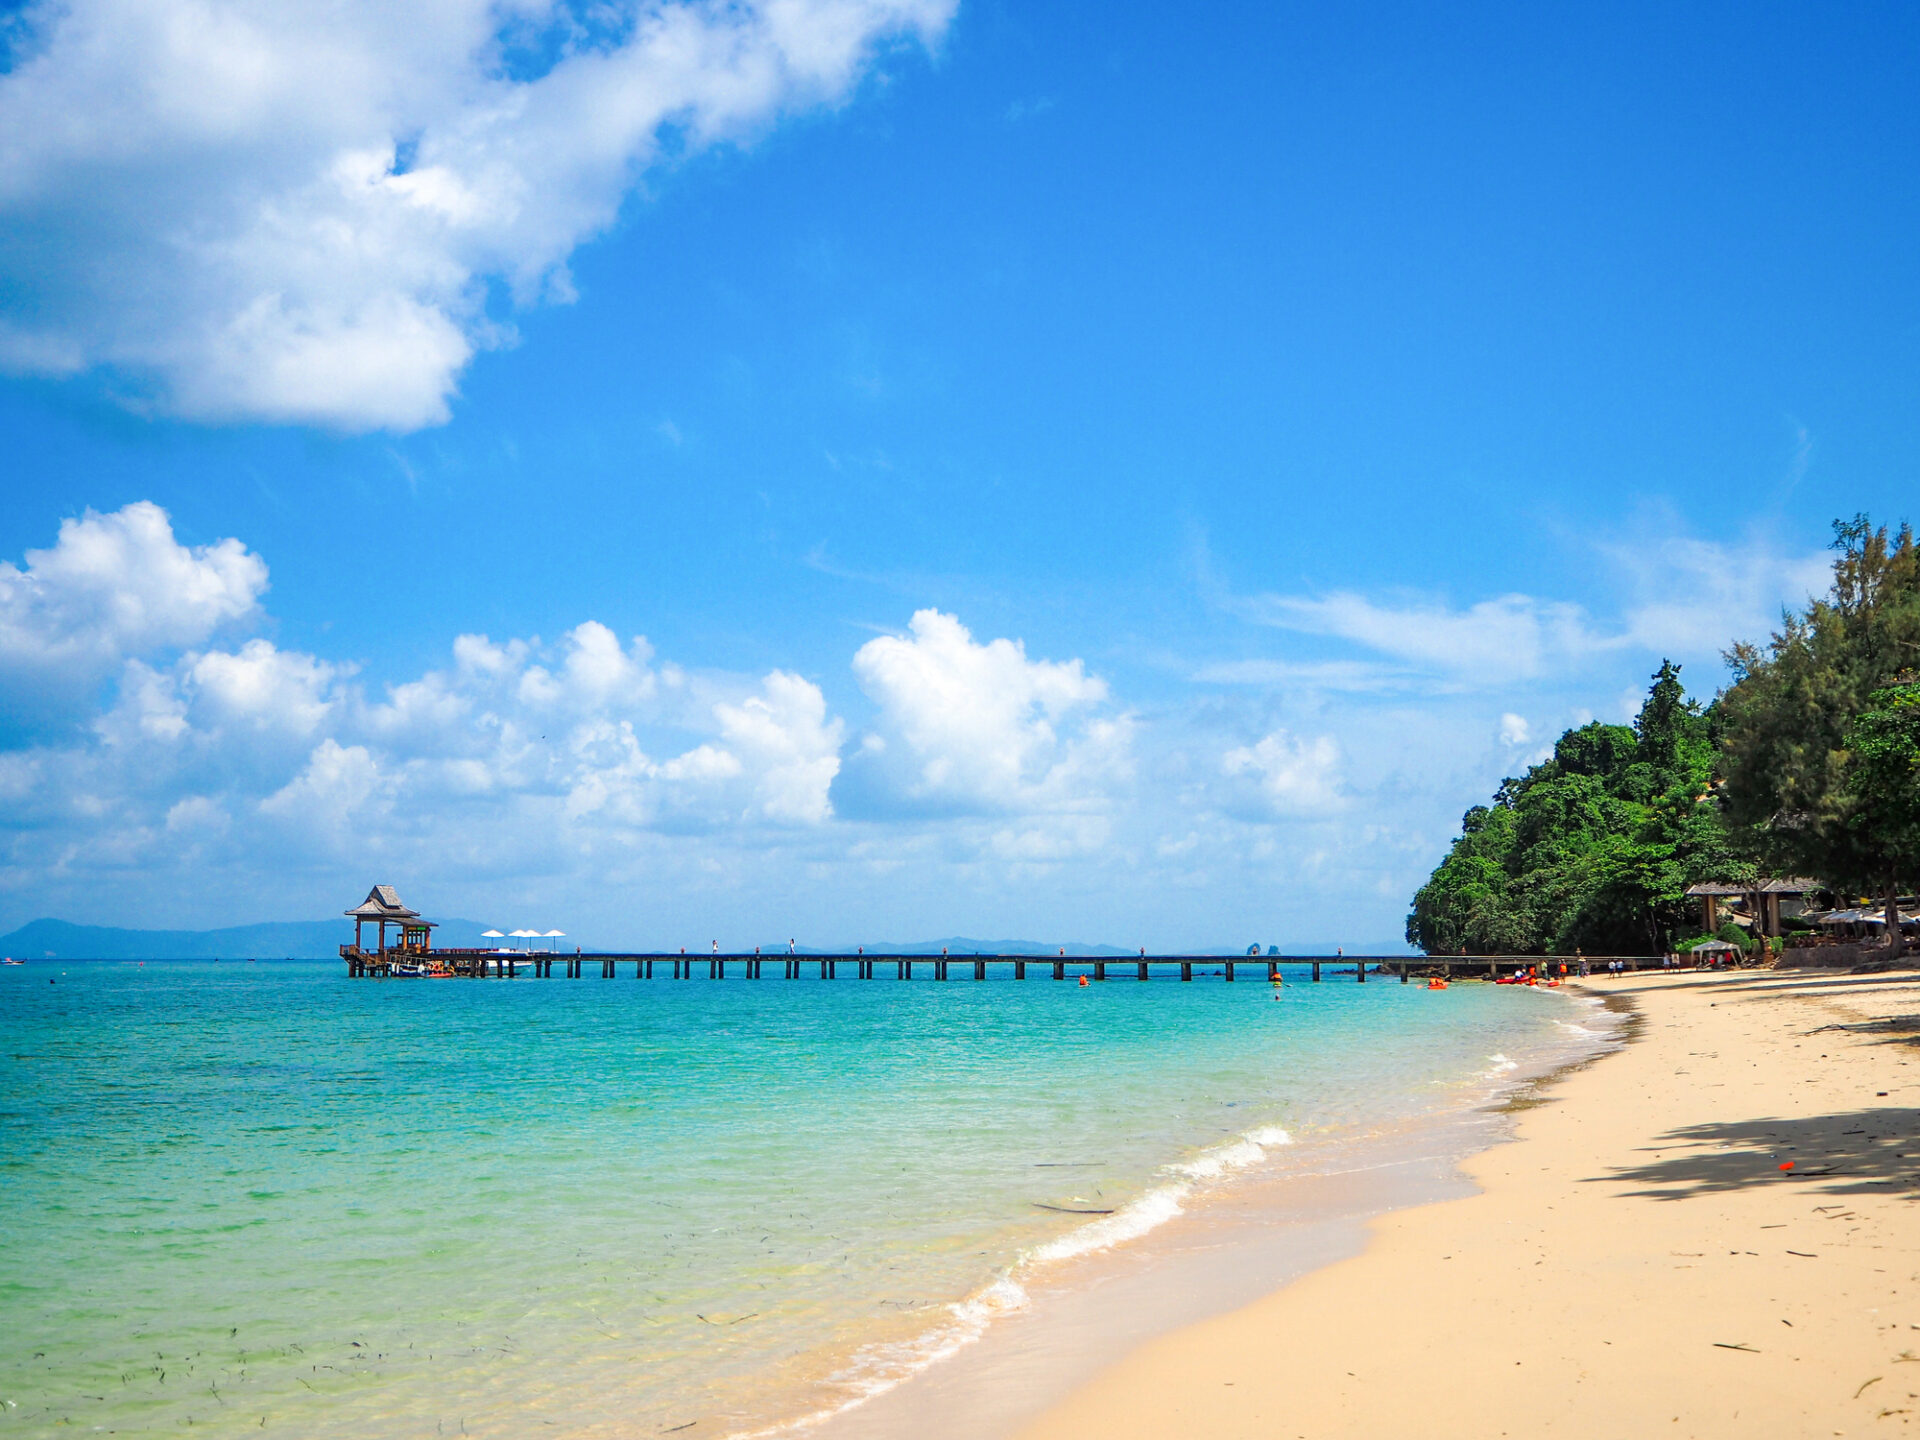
(322,939)
(274,940)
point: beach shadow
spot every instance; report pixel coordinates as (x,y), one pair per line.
(1855,1152)
(1781,982)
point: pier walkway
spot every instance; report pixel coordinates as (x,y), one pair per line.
(493,964)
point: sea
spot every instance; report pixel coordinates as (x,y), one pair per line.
(246,1198)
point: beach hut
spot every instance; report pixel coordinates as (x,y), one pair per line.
(383,907)
(1764,900)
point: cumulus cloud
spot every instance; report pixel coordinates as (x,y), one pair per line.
(111,587)
(793,744)
(968,728)
(175,747)
(1287,776)
(1514,729)
(304,210)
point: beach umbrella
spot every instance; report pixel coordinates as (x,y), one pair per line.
(525,935)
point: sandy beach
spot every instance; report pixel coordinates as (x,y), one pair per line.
(1637,1263)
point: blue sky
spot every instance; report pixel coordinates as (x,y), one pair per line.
(1104,473)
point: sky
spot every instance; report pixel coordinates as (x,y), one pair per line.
(864,470)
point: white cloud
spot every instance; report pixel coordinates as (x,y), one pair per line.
(293,210)
(1694,598)
(1508,638)
(261,688)
(1683,598)
(981,728)
(794,746)
(112,586)
(337,782)
(1349,675)
(598,672)
(573,747)
(1288,776)
(1514,729)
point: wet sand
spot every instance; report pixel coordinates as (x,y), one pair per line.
(1637,1264)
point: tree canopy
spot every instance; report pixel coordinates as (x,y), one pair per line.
(1808,765)
(1591,849)
(1812,723)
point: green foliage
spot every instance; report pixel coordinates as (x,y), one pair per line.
(1883,776)
(1593,848)
(1809,765)
(1801,707)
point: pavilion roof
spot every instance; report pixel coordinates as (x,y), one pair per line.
(1756,887)
(382,903)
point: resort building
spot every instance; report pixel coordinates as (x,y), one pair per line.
(1758,905)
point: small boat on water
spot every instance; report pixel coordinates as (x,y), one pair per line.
(407,970)
(9,960)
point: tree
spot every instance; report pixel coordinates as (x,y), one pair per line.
(1591,849)
(1883,783)
(1790,782)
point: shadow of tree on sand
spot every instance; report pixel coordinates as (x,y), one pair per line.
(1855,1152)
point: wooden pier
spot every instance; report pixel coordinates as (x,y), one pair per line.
(859,964)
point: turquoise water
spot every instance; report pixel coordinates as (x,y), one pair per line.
(264,1198)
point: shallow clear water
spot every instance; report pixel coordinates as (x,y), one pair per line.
(262,1196)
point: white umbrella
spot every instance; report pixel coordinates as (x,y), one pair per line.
(525,935)
(491,935)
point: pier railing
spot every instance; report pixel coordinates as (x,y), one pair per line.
(495,964)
